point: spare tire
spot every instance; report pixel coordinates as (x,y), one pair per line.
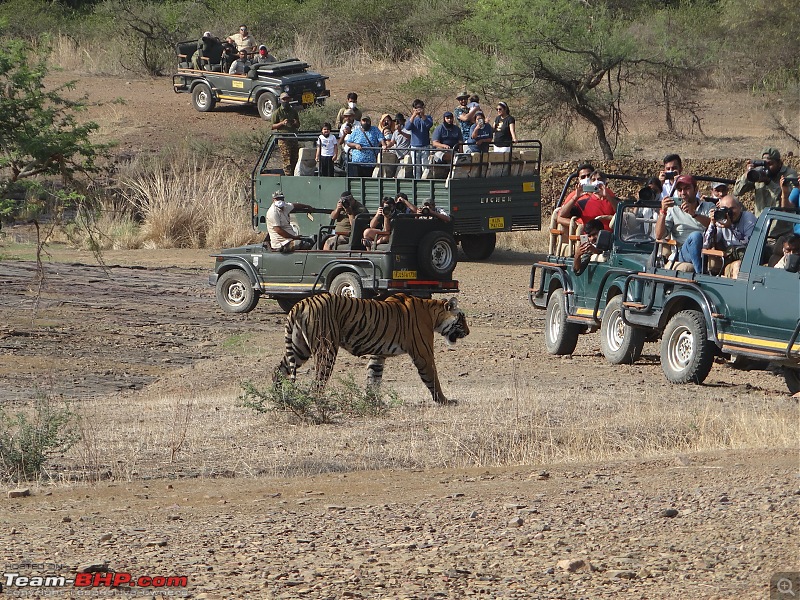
(437,254)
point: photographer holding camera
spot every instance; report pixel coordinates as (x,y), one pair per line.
(344,213)
(679,222)
(729,230)
(596,202)
(430,210)
(673,167)
(763,178)
(380,226)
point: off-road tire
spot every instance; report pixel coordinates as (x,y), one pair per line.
(347,284)
(266,104)
(560,337)
(235,293)
(792,377)
(478,246)
(687,354)
(437,255)
(620,343)
(202,98)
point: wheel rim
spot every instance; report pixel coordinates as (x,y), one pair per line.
(555,321)
(442,256)
(615,333)
(266,109)
(347,289)
(202,98)
(680,349)
(236,293)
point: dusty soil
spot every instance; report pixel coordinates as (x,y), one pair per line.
(94,331)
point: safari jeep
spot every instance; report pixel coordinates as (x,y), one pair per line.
(418,260)
(261,87)
(627,293)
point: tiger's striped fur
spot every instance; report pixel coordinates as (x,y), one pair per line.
(322,324)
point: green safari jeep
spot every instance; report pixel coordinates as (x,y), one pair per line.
(418,259)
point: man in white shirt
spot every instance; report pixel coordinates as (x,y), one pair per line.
(679,222)
(282,235)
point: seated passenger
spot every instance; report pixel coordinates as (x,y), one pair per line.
(585,250)
(243,40)
(344,213)
(719,190)
(790,197)
(380,227)
(678,222)
(429,210)
(207,47)
(583,174)
(598,204)
(729,230)
(446,138)
(241,65)
(790,246)
(480,134)
(263,57)
(282,236)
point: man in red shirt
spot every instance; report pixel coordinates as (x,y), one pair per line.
(600,204)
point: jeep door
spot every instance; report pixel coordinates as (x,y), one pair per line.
(773,301)
(234,88)
(279,270)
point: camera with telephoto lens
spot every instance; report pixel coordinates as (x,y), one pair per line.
(759,173)
(722,214)
(346,201)
(426,209)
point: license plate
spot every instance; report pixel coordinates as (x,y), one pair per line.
(497,222)
(404,274)
(308,97)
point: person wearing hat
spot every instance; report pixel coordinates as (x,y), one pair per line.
(241,65)
(679,222)
(767,192)
(363,145)
(208,48)
(286,120)
(465,115)
(446,138)
(243,40)
(263,57)
(719,189)
(352,104)
(505,133)
(282,235)
(343,215)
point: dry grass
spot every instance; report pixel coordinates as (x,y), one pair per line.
(518,425)
(186,202)
(525,241)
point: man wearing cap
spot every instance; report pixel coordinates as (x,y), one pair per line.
(282,236)
(344,214)
(719,189)
(446,138)
(241,65)
(286,120)
(264,56)
(243,40)
(679,222)
(352,104)
(465,115)
(363,145)
(766,194)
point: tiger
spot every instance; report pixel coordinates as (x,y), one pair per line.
(401,324)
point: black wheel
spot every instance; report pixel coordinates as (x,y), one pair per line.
(267,103)
(347,284)
(202,98)
(287,304)
(792,377)
(235,293)
(686,352)
(479,246)
(437,254)
(620,343)
(560,337)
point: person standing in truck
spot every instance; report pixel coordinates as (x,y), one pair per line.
(286,120)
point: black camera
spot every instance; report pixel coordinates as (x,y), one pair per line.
(791,181)
(758,174)
(722,214)
(426,209)
(670,174)
(346,201)
(388,204)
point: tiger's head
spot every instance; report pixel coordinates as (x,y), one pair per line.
(451,322)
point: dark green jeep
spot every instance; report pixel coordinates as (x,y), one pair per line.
(418,260)
(261,87)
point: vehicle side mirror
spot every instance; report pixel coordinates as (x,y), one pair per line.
(792,263)
(603,243)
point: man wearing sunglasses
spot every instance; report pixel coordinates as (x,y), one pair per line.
(243,40)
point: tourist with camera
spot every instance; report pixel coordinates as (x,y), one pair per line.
(729,230)
(596,201)
(343,215)
(763,178)
(586,249)
(673,168)
(380,226)
(679,222)
(429,210)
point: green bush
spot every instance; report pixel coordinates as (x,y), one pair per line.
(26,442)
(308,405)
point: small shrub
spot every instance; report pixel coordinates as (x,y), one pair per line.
(308,405)
(26,442)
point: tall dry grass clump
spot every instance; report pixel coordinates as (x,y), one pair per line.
(185,201)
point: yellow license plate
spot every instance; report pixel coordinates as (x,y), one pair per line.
(404,274)
(497,222)
(308,97)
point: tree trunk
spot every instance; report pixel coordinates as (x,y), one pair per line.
(600,129)
(665,91)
